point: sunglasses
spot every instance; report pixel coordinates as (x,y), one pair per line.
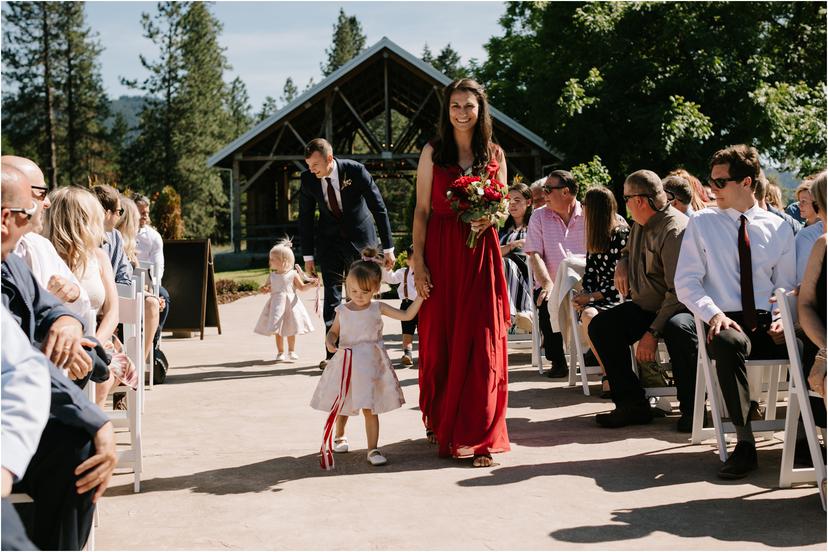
(548,189)
(40,192)
(28,212)
(119,211)
(629,197)
(720,183)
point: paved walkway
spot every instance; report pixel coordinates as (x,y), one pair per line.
(231,462)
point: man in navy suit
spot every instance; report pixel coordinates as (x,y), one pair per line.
(347,198)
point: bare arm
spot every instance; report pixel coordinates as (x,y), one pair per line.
(333,335)
(422,212)
(813,327)
(403,315)
(300,284)
(109,309)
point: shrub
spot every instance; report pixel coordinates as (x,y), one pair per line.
(168,214)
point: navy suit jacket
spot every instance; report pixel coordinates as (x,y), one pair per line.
(35,309)
(360,200)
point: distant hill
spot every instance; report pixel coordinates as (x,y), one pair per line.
(129,107)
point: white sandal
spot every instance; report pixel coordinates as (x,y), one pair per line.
(375,458)
(340,444)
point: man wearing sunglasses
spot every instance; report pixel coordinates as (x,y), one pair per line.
(645,271)
(732,259)
(554,232)
(38,252)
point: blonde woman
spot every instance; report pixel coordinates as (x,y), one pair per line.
(75,226)
(128,227)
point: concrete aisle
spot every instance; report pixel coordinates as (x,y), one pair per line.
(231,462)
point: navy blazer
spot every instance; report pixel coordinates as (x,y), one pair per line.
(360,199)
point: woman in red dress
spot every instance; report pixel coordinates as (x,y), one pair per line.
(463,324)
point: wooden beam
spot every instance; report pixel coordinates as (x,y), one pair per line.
(329,100)
(266,166)
(299,158)
(368,134)
(387,104)
(236,200)
(298,136)
(404,135)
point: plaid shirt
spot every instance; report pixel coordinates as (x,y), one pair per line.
(553,240)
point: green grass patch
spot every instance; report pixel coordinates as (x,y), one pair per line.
(257,275)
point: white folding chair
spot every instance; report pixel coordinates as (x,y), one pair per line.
(145,270)
(776,371)
(131,315)
(798,401)
(91,327)
(537,353)
(577,351)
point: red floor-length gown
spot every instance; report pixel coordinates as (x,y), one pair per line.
(463,327)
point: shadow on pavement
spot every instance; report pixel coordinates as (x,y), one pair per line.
(774,522)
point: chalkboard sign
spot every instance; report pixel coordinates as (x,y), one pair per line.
(189,278)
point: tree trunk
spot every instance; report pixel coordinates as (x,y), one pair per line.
(47,84)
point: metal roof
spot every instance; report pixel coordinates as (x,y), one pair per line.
(384,44)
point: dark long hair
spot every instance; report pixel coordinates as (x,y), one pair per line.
(523,190)
(445,148)
(600,218)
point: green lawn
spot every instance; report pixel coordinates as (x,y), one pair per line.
(258,275)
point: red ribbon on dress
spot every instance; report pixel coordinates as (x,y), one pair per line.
(326,460)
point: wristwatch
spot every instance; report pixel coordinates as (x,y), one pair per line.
(653,332)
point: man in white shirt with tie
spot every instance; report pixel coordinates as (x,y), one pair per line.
(732,258)
(149,247)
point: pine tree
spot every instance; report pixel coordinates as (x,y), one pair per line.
(269,107)
(289,91)
(427,56)
(238,108)
(348,41)
(448,63)
(30,55)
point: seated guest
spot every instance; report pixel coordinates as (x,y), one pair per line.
(808,236)
(63,514)
(606,237)
(732,259)
(554,232)
(512,239)
(150,248)
(646,271)
(812,292)
(25,410)
(38,253)
(761,195)
(698,196)
(128,225)
(774,198)
(681,191)
(76,228)
(538,197)
(805,202)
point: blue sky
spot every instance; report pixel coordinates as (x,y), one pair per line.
(269,41)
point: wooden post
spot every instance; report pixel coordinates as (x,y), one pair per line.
(387,143)
(329,99)
(235,192)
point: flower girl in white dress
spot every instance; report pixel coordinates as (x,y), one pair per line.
(359,376)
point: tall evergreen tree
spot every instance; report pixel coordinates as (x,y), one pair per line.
(269,107)
(448,63)
(238,108)
(348,41)
(289,91)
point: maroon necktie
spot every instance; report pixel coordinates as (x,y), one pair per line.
(746,277)
(332,203)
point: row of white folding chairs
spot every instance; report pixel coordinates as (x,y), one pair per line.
(150,272)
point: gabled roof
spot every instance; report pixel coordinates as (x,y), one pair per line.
(224,156)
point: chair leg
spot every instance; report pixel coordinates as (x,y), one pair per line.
(789,446)
(712,388)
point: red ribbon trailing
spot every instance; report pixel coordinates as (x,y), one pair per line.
(326,460)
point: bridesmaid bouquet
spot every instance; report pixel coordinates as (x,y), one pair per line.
(474,197)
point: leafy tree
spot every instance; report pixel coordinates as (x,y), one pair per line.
(590,174)
(289,91)
(168,214)
(662,84)
(348,41)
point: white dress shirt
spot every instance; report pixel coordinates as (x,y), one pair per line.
(150,248)
(26,396)
(44,261)
(399,277)
(334,176)
(805,240)
(707,274)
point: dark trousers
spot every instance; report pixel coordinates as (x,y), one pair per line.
(60,518)
(730,348)
(335,263)
(552,341)
(614,330)
(162,316)
(13,533)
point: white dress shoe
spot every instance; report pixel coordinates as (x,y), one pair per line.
(340,445)
(281,357)
(293,356)
(376,458)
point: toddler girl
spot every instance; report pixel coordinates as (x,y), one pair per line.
(359,376)
(284,315)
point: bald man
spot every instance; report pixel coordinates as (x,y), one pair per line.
(38,252)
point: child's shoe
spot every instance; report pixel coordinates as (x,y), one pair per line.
(375,458)
(293,356)
(340,444)
(407,359)
(281,357)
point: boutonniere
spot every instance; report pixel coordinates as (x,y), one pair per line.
(345,184)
